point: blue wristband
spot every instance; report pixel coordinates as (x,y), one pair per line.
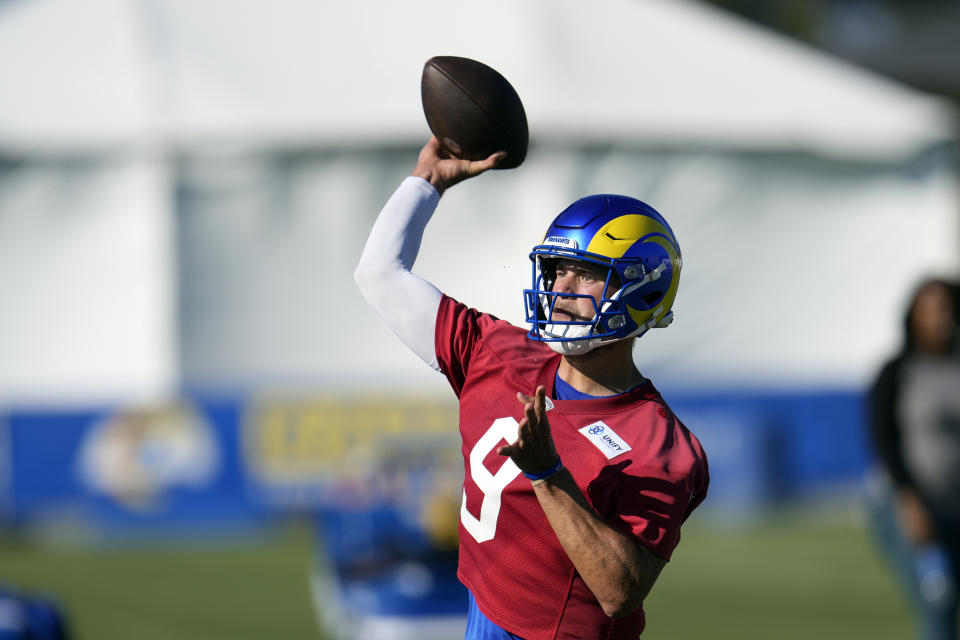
(546,474)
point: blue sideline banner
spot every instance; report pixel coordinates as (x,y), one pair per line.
(226,463)
(6,496)
(118,470)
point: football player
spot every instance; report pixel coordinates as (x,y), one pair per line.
(578,475)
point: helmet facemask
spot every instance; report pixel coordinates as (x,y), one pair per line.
(576,335)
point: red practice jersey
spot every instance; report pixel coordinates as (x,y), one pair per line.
(640,469)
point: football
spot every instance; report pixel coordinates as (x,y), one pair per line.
(473,111)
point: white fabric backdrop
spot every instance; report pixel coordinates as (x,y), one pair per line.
(794,270)
(185,187)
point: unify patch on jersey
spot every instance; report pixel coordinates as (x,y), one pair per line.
(605,439)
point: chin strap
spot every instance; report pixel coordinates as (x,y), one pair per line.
(573,347)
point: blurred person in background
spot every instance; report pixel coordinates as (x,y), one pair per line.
(578,475)
(914,408)
(29,616)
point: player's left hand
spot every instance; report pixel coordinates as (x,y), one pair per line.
(534,450)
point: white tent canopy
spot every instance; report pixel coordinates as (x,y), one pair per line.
(652,71)
(192,182)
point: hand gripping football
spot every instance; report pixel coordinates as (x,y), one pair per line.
(473,111)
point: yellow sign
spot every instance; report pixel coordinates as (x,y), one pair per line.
(293,441)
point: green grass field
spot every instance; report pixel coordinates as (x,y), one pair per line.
(790,578)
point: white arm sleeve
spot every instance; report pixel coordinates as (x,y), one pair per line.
(407,302)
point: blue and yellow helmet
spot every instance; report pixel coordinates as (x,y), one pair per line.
(635,245)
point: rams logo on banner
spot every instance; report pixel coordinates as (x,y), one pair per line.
(137,455)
